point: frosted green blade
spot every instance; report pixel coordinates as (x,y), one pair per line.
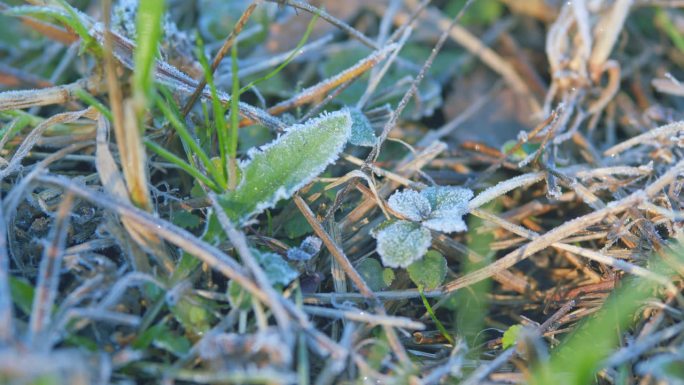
(280,168)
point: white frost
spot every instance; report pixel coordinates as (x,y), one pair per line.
(401,243)
(308,249)
(411,204)
(277,270)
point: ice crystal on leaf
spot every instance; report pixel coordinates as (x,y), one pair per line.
(362,133)
(277,270)
(439,208)
(400,243)
(308,249)
(280,168)
(448,204)
(411,204)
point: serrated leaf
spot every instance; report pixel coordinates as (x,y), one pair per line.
(448,205)
(371,272)
(401,243)
(277,270)
(428,272)
(308,249)
(448,223)
(362,132)
(411,204)
(510,336)
(288,163)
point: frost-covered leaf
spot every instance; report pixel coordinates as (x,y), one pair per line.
(448,204)
(371,272)
(411,204)
(401,243)
(428,272)
(276,268)
(282,167)
(362,132)
(448,223)
(307,250)
(510,336)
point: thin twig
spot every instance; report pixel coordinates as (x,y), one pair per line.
(239,241)
(333,248)
(225,47)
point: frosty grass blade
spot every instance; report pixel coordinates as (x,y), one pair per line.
(288,163)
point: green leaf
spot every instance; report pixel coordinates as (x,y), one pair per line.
(149,30)
(169,341)
(185,219)
(162,337)
(510,336)
(362,133)
(430,271)
(411,204)
(297,226)
(388,276)
(238,296)
(22,293)
(277,270)
(191,311)
(400,243)
(480,12)
(285,165)
(449,204)
(371,272)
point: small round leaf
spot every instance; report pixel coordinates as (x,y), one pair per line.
(401,243)
(430,271)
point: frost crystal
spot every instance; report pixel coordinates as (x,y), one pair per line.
(280,168)
(401,243)
(277,270)
(362,133)
(448,204)
(307,250)
(439,208)
(411,204)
